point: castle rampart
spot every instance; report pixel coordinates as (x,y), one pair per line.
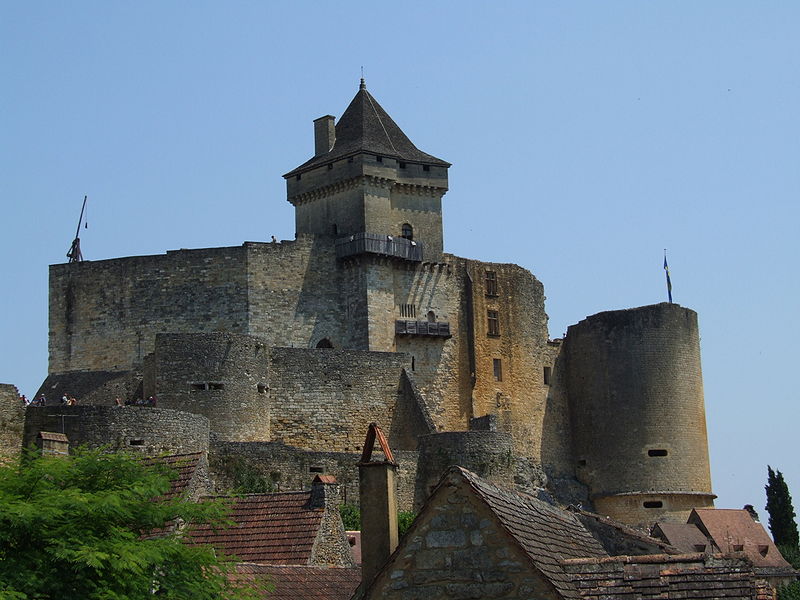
(145,429)
(11,422)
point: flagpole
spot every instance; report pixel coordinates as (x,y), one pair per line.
(669,281)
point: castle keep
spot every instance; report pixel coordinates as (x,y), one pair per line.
(290,349)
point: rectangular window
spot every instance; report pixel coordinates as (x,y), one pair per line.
(491,283)
(493,320)
(498,369)
(408,311)
(548,373)
(426,167)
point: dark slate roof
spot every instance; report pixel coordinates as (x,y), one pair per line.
(366,127)
(299,582)
(547,534)
(663,577)
(276,529)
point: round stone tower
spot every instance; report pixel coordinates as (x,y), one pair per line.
(636,403)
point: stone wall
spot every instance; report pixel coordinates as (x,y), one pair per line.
(633,376)
(11,422)
(291,468)
(222,376)
(458,550)
(325,399)
(148,430)
(104,315)
(488,454)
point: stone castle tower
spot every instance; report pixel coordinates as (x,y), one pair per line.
(291,349)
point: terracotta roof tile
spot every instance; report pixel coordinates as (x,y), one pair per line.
(663,577)
(300,582)
(734,530)
(277,529)
(185,466)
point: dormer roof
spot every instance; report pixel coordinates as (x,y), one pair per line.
(365,127)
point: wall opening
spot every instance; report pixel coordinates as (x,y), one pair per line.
(262,389)
(582,462)
(653,504)
(324,343)
(493,322)
(316,469)
(407,231)
(657,452)
(548,373)
(497,365)
(216,386)
(431,317)
(199,386)
(491,283)
(136,442)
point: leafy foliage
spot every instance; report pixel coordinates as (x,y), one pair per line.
(96,526)
(351,517)
(790,591)
(781,512)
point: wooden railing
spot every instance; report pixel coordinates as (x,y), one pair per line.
(441,329)
(383,245)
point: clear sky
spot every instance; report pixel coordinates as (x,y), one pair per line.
(585,138)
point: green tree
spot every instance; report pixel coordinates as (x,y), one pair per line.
(97,526)
(781,512)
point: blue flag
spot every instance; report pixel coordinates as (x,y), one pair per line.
(669,281)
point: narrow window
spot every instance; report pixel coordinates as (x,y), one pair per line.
(653,504)
(216,386)
(324,343)
(657,452)
(136,442)
(494,322)
(413,363)
(330,166)
(335,229)
(262,389)
(199,386)
(491,283)
(426,167)
(548,373)
(431,317)
(402,165)
(297,177)
(408,231)
(498,369)
(379,159)
(316,470)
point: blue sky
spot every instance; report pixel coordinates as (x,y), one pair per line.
(585,138)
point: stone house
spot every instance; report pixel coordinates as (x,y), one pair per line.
(476,540)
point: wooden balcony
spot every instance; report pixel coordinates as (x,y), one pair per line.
(423,328)
(379,244)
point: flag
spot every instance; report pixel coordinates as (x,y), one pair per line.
(669,281)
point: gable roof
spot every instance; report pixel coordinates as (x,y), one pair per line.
(687,537)
(663,577)
(277,529)
(734,530)
(185,467)
(366,127)
(546,534)
(301,582)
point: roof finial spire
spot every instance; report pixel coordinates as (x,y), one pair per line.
(363,84)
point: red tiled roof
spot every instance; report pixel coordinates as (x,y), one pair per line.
(684,536)
(275,529)
(300,582)
(663,577)
(325,479)
(734,530)
(185,466)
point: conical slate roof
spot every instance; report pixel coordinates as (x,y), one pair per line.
(366,127)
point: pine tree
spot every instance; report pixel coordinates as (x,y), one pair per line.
(781,512)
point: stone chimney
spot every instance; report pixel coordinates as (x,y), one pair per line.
(324,492)
(324,134)
(378,499)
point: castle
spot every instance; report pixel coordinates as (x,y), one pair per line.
(290,349)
